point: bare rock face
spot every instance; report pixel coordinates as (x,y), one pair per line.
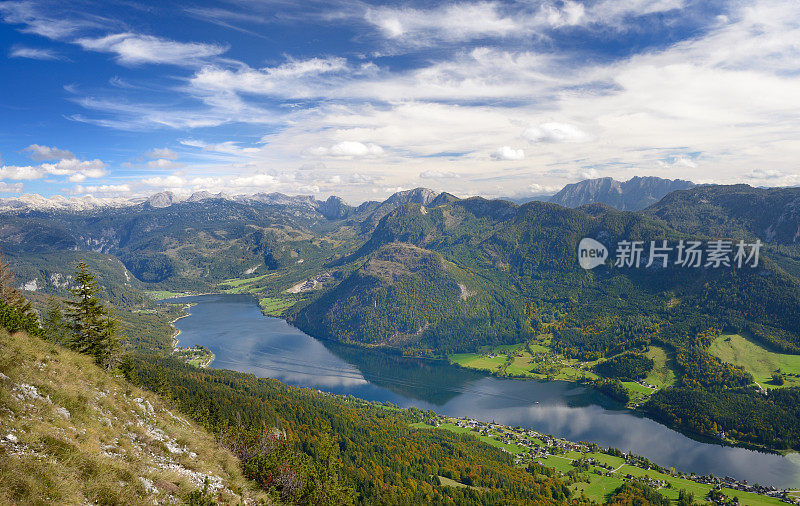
(423,196)
(202,195)
(334,208)
(632,195)
(280,199)
(161,199)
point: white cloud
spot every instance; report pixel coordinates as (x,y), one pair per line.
(33,53)
(45,24)
(227,147)
(42,153)
(614,13)
(104,189)
(255,180)
(588,174)
(555,132)
(295,78)
(357,178)
(461,22)
(456,22)
(508,153)
(171,181)
(163,163)
(764,174)
(352,149)
(570,14)
(75,170)
(71,166)
(538,189)
(16,173)
(206,182)
(162,153)
(10,187)
(679,161)
(435,174)
(135,49)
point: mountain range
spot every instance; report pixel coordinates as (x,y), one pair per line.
(430,274)
(631,195)
(636,193)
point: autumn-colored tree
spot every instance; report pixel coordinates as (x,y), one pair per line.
(8,293)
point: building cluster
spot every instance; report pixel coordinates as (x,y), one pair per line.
(539,446)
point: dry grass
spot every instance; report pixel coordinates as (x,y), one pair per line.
(81,435)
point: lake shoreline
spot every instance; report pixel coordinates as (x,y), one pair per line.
(271,347)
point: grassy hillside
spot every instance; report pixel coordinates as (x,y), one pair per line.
(757,360)
(71,433)
(378,455)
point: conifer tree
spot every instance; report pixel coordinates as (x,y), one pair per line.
(94,332)
(55,325)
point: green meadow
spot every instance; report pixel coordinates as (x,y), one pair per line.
(757,360)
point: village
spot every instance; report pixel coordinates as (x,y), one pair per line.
(198,356)
(532,447)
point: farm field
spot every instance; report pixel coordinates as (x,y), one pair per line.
(242,285)
(164,294)
(516,360)
(536,360)
(662,374)
(273,306)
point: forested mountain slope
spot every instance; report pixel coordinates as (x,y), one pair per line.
(434,280)
(738,211)
(499,273)
(372,448)
(189,244)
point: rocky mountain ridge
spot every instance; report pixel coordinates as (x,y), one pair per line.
(631,195)
(636,193)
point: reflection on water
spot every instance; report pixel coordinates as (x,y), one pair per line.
(244,340)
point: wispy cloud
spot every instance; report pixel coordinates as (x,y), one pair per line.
(463,22)
(227,147)
(136,49)
(33,53)
(294,79)
(44,22)
(455,22)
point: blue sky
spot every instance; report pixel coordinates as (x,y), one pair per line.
(122,98)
